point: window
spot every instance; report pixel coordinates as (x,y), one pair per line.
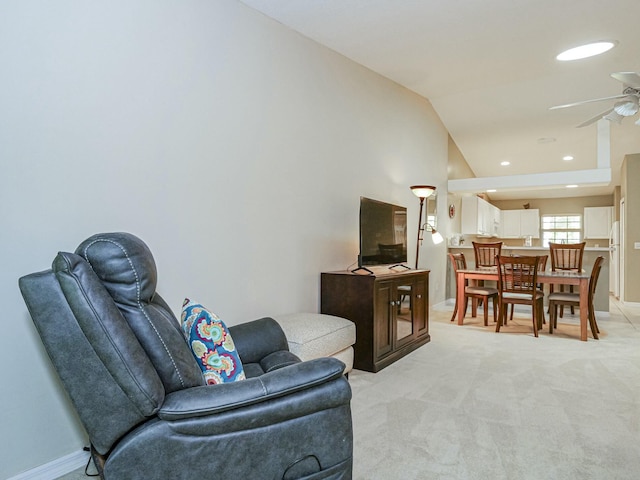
(561,229)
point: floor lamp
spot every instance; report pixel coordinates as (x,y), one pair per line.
(422,192)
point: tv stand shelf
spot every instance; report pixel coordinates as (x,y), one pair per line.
(390,310)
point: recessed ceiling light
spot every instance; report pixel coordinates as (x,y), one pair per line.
(584,51)
(505,163)
(491,190)
(567,158)
(572,186)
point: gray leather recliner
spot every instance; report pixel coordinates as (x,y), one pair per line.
(142,398)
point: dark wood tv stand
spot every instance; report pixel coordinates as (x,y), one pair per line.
(390,310)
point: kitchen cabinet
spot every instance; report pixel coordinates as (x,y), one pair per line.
(520,223)
(597,222)
(479,217)
(390,310)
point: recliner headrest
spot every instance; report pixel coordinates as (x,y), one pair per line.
(125,265)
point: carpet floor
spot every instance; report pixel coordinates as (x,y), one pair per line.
(475,404)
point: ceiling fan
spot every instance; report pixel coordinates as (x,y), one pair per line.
(628,106)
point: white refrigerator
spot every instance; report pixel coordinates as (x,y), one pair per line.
(614,259)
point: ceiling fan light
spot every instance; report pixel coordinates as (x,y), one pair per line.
(627,108)
(613,116)
(585,51)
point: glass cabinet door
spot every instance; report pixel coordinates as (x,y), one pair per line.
(404,313)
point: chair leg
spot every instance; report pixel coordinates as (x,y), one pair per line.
(573,311)
(495,309)
(592,311)
(512,308)
(455,310)
(486,311)
(501,307)
(552,316)
(534,317)
(540,311)
(592,322)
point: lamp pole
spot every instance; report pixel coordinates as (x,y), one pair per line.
(420,230)
(422,192)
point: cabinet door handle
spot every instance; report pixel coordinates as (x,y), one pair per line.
(418,296)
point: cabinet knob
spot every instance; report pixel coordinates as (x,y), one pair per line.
(418,296)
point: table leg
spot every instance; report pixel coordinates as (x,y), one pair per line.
(460,293)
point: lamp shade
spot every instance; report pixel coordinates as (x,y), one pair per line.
(436,237)
(627,107)
(422,191)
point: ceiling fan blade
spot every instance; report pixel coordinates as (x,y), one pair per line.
(587,101)
(595,119)
(631,79)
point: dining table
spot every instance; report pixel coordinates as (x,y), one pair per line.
(580,279)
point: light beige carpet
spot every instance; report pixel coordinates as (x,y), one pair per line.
(475,404)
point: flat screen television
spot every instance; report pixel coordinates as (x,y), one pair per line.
(383,233)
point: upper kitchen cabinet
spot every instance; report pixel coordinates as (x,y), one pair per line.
(479,217)
(597,222)
(520,223)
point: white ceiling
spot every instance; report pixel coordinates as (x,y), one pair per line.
(488,67)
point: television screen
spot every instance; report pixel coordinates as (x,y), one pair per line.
(383,233)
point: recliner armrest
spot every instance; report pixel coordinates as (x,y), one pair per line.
(256,339)
(211,399)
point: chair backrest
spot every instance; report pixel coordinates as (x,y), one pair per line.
(542,266)
(486,253)
(517,274)
(542,263)
(114,342)
(458,261)
(566,256)
(593,280)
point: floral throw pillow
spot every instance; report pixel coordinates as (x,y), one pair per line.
(211,344)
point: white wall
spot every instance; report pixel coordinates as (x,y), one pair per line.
(234,147)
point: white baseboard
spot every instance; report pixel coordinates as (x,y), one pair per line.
(56,468)
(631,304)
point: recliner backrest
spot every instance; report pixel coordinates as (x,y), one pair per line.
(103,367)
(125,266)
(114,342)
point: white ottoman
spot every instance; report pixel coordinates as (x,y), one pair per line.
(315,335)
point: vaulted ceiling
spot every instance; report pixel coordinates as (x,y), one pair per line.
(489,70)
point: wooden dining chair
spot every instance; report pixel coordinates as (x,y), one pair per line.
(542,266)
(517,284)
(568,257)
(474,292)
(558,299)
(486,253)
